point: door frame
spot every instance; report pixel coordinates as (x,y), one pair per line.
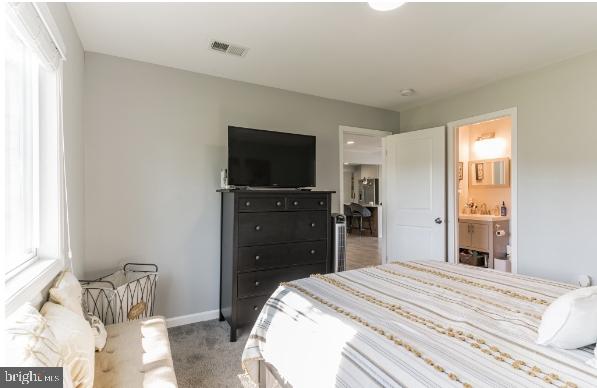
(452,154)
(342,129)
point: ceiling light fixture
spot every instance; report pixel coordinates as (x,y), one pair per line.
(407,92)
(385,5)
(350,142)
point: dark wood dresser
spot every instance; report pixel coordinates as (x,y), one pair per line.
(269,237)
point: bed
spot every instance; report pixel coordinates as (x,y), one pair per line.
(411,324)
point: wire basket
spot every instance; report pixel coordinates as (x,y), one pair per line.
(122,296)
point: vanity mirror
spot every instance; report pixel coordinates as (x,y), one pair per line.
(489,173)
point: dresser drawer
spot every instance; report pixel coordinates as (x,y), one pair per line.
(257,204)
(271,256)
(262,228)
(262,257)
(260,283)
(306,203)
(279,227)
(248,309)
(308,225)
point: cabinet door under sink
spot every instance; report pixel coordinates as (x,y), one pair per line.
(464,234)
(480,237)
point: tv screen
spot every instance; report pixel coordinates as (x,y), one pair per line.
(270,159)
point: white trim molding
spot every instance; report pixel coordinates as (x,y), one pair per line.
(452,145)
(31,284)
(192,318)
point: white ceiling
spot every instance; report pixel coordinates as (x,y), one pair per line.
(345,51)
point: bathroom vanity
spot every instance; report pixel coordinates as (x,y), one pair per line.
(484,233)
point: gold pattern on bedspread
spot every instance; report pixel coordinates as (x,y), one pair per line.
(395,339)
(413,324)
(456,291)
(470,282)
(474,341)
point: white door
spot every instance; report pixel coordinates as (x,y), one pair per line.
(415,195)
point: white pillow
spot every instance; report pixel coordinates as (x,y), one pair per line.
(570,321)
(30,342)
(67,292)
(76,341)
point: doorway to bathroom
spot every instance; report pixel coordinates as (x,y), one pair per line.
(482,208)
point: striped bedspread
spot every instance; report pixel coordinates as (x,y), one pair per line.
(413,324)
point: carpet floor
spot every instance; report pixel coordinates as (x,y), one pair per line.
(204,357)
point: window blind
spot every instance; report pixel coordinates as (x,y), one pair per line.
(37,29)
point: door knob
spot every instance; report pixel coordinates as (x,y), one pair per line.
(258,228)
(312,224)
(438,220)
(257,284)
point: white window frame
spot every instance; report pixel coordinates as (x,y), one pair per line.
(33,96)
(29,281)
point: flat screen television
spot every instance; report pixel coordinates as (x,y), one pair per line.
(259,158)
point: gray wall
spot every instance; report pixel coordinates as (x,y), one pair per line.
(73,131)
(155,141)
(557,160)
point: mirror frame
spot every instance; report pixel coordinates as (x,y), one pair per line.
(472,170)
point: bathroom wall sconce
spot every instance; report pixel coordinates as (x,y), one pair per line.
(485,136)
(487,146)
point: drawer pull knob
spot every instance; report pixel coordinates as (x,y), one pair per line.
(257,257)
(255,308)
(295,203)
(321,203)
(257,284)
(312,251)
(279,203)
(258,228)
(312,224)
(248,203)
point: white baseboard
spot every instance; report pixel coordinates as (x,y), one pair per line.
(192,318)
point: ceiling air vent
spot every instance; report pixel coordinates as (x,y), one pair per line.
(228,48)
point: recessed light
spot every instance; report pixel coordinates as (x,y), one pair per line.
(385,5)
(350,142)
(407,92)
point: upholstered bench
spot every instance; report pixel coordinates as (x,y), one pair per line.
(137,354)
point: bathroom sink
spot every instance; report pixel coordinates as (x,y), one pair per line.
(482,217)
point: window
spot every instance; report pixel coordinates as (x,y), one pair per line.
(32,199)
(21,151)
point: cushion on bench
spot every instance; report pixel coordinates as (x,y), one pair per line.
(137,354)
